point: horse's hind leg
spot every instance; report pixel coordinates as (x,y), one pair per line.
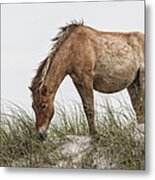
(136,92)
(85,90)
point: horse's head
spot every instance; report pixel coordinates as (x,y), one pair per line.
(43,107)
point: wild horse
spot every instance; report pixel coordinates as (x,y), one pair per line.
(105,61)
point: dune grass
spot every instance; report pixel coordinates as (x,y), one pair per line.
(120,143)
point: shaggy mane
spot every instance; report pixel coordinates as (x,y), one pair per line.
(44,66)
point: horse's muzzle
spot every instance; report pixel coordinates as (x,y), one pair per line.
(41,136)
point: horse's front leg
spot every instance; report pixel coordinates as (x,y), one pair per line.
(85,90)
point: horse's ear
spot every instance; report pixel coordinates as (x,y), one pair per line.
(44,90)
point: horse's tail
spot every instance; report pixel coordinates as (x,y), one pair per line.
(140,76)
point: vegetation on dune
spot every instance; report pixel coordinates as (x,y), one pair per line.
(119,145)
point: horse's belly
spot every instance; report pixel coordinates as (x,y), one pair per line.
(110,81)
(109,85)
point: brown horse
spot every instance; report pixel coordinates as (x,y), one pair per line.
(105,61)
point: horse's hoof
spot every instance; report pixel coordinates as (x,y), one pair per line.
(95,137)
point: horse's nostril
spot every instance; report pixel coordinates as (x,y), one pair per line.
(41,136)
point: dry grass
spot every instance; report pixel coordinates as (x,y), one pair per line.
(120,144)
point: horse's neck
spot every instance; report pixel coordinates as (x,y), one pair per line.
(56,74)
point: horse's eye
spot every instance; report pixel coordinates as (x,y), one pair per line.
(44,106)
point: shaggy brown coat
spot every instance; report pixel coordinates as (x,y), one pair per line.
(105,61)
